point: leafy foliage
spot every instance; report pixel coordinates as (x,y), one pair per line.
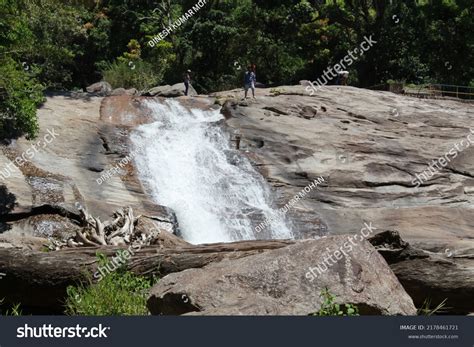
(20,94)
(329,307)
(118,293)
(137,74)
(131,71)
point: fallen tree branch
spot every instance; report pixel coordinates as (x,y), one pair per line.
(38,280)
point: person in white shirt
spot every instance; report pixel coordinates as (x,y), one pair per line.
(342,77)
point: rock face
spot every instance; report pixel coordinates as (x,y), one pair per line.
(100,88)
(429,276)
(170,91)
(39,197)
(370,146)
(276,283)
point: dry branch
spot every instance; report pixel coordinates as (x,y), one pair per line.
(118,232)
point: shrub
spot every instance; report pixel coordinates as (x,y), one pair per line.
(330,308)
(132,71)
(132,74)
(20,94)
(118,293)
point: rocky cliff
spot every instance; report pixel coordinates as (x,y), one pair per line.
(369,146)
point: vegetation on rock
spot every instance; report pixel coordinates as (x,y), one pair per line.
(329,307)
(119,293)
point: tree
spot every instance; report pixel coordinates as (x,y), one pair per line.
(20,93)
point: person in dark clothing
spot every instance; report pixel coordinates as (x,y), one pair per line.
(187,81)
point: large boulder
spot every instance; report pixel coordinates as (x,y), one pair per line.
(170,91)
(156,91)
(101,88)
(279,282)
(430,276)
(123,91)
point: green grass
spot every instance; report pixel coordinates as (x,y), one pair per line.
(120,293)
(15,310)
(426,310)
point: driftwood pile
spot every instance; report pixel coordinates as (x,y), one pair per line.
(118,232)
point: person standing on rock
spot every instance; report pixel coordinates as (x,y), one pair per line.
(187,81)
(249,81)
(342,77)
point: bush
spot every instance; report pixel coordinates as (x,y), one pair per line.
(133,74)
(118,293)
(132,71)
(330,308)
(20,94)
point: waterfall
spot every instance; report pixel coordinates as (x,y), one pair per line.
(186,162)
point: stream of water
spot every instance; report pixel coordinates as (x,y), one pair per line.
(188,164)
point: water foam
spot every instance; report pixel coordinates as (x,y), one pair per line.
(188,164)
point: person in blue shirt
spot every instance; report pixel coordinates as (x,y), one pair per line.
(249,81)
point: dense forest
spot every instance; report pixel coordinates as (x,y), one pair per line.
(67,45)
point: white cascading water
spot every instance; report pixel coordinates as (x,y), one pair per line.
(187,163)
